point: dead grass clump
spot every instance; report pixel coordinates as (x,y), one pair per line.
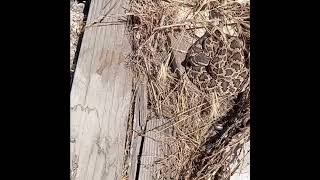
(199,145)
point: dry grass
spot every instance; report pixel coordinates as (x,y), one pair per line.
(196,149)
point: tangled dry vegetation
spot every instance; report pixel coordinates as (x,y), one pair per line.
(197,147)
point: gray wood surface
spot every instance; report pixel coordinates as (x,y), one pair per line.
(153,150)
(139,123)
(145,149)
(100,97)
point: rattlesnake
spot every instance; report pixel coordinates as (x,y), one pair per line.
(216,63)
(219,63)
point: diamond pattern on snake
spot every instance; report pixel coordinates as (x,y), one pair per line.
(216,63)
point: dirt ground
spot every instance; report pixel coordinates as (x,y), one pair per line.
(76,24)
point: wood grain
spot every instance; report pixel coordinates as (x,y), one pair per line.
(100,97)
(139,124)
(146,148)
(153,150)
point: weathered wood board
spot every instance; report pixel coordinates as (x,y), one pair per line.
(100,97)
(146,149)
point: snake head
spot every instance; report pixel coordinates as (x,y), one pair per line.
(199,59)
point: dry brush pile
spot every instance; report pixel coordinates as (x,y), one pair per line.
(198,145)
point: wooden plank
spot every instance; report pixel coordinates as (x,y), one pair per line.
(139,123)
(100,97)
(145,149)
(153,150)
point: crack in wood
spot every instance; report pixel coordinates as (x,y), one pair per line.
(140,150)
(129,133)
